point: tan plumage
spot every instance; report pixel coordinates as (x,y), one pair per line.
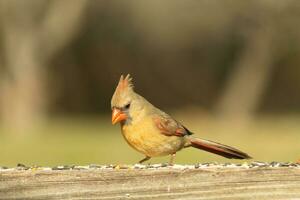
(153,132)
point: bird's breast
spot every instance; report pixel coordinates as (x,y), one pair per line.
(147,139)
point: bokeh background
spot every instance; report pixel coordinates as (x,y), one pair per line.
(228,70)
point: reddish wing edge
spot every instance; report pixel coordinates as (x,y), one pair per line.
(169,127)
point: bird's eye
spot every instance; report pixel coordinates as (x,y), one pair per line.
(127,106)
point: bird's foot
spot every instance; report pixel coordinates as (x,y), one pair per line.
(171,162)
(145,159)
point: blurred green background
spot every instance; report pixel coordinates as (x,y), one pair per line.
(228,70)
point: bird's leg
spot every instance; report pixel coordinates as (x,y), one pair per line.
(172,158)
(145,159)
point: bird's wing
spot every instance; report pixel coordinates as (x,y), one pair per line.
(170,127)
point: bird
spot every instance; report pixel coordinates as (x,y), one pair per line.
(153,132)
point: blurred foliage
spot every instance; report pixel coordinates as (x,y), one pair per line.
(190,47)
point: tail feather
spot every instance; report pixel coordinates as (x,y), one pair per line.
(217,148)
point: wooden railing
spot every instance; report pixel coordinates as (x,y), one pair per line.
(203,181)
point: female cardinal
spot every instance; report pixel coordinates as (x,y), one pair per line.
(153,132)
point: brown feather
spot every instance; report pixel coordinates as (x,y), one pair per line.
(169,127)
(217,148)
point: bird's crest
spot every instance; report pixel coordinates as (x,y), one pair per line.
(125,83)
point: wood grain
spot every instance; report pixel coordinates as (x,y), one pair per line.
(222,183)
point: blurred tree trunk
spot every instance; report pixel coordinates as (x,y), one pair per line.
(32,31)
(249,78)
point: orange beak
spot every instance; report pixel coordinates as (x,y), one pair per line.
(117,116)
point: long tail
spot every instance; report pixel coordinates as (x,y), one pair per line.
(217,148)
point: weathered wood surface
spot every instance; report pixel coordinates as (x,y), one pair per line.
(178,182)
